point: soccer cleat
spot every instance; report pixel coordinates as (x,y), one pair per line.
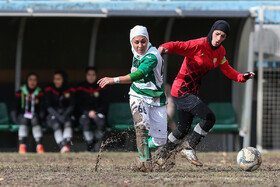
(65,149)
(40,149)
(164,157)
(141,166)
(190,154)
(22,149)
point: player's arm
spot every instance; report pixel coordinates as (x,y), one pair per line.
(180,48)
(233,74)
(129,78)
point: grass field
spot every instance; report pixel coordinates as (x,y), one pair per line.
(78,169)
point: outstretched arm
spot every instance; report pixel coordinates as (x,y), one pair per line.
(234,75)
(122,79)
(180,48)
(110,80)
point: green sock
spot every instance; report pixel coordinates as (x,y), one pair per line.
(151,143)
(146,154)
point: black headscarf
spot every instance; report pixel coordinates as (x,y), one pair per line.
(221,25)
(65,80)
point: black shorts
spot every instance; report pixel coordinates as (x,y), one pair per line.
(187,102)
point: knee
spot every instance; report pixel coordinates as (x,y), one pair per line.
(100,122)
(22,120)
(23,131)
(35,121)
(68,124)
(84,120)
(54,125)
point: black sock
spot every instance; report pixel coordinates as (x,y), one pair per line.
(194,139)
(170,145)
(38,141)
(23,140)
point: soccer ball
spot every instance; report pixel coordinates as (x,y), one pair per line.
(249,159)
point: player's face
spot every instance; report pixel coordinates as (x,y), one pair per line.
(32,81)
(57,80)
(140,44)
(218,37)
(91,76)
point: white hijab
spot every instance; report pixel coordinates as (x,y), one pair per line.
(139,30)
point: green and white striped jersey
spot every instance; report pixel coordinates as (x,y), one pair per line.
(150,88)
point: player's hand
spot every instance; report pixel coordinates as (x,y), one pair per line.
(249,75)
(105,81)
(92,114)
(162,50)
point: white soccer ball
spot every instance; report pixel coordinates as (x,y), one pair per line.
(249,159)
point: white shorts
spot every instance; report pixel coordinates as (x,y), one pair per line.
(153,117)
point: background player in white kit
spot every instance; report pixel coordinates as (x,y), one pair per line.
(147,97)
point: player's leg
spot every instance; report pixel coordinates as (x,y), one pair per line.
(55,125)
(87,131)
(158,133)
(201,129)
(141,121)
(99,131)
(175,138)
(207,121)
(184,105)
(158,126)
(170,109)
(22,133)
(37,134)
(67,136)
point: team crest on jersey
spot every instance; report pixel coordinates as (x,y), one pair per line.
(36,101)
(215,60)
(67,95)
(96,94)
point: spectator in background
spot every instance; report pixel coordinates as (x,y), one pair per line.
(170,108)
(92,106)
(28,112)
(60,103)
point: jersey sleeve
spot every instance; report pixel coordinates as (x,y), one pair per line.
(181,48)
(149,62)
(230,72)
(137,75)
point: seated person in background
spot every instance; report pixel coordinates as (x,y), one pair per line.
(60,103)
(92,106)
(28,111)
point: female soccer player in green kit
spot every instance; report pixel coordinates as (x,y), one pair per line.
(147,97)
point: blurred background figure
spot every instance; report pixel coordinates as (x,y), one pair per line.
(170,108)
(60,103)
(92,106)
(28,112)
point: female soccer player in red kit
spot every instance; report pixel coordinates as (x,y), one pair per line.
(201,56)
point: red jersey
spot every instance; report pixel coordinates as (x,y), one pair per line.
(200,58)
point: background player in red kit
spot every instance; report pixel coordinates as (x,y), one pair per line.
(201,56)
